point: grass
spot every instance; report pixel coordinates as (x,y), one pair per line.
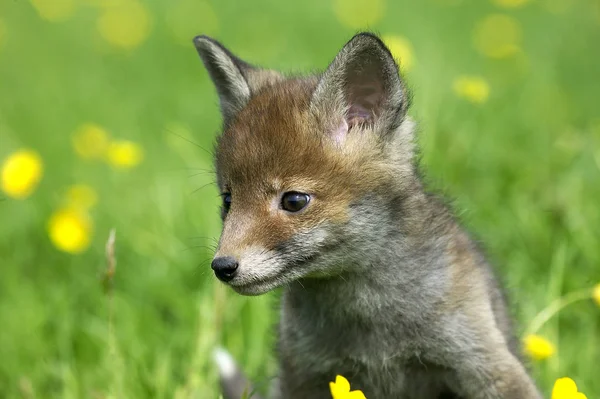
(523,168)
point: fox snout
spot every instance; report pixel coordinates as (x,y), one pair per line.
(253,260)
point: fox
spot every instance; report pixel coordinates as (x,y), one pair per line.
(323,197)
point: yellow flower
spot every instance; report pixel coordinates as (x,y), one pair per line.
(81,196)
(497,36)
(565,388)
(596,294)
(510,3)
(537,347)
(125,24)
(340,389)
(401,49)
(54,10)
(124,154)
(358,14)
(185,16)
(70,230)
(90,141)
(473,88)
(21,173)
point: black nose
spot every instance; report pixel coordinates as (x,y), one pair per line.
(224,267)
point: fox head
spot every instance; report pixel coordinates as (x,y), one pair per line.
(314,170)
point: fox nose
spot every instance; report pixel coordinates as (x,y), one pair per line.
(225,267)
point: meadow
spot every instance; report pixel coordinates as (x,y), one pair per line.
(108,119)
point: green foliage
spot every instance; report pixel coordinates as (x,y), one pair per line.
(523,167)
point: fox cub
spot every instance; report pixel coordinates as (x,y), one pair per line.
(321,196)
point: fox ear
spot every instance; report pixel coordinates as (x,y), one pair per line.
(235,80)
(361,87)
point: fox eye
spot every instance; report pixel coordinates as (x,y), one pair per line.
(226,202)
(294,201)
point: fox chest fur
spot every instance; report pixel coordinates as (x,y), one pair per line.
(381,350)
(322,197)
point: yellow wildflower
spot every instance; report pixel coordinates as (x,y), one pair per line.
(70,230)
(340,389)
(90,141)
(497,36)
(596,294)
(54,10)
(401,49)
(81,196)
(124,154)
(510,3)
(21,173)
(125,24)
(185,16)
(565,388)
(537,347)
(473,88)
(358,14)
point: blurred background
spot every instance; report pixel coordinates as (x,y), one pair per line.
(108,119)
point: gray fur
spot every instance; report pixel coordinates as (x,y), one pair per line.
(234,79)
(388,329)
(396,297)
(363,78)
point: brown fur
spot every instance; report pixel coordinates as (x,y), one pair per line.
(273,141)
